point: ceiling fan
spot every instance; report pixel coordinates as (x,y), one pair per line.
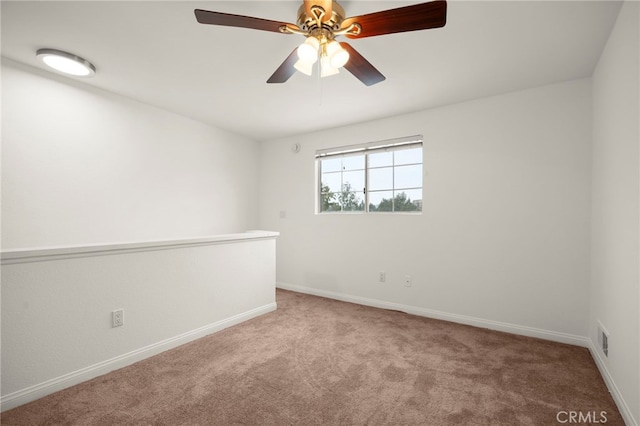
(321,21)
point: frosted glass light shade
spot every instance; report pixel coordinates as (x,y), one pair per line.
(66,63)
(305,67)
(338,57)
(326,69)
(308,51)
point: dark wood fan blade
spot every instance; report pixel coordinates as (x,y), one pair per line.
(403,19)
(325,4)
(229,20)
(286,69)
(361,68)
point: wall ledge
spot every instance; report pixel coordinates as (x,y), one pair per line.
(66,252)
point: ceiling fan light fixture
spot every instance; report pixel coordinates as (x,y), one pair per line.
(66,63)
(305,67)
(326,69)
(321,21)
(308,51)
(338,57)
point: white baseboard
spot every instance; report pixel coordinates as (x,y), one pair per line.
(40,390)
(611,385)
(554,336)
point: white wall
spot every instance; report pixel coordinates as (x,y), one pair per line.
(504,235)
(80,165)
(615,224)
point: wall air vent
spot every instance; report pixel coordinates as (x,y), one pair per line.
(603,339)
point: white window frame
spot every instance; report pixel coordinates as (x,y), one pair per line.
(409,142)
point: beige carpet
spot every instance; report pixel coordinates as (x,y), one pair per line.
(324,362)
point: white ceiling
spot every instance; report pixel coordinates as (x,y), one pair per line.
(156,52)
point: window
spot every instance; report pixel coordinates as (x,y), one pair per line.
(376,177)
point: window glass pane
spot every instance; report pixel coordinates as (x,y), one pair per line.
(353,181)
(381,178)
(351,200)
(408,201)
(348,200)
(332,181)
(380,159)
(380,201)
(408,176)
(408,156)
(331,165)
(329,205)
(353,163)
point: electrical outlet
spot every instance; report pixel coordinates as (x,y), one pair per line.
(407,280)
(117,318)
(382,277)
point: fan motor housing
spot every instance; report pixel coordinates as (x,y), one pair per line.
(309,23)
